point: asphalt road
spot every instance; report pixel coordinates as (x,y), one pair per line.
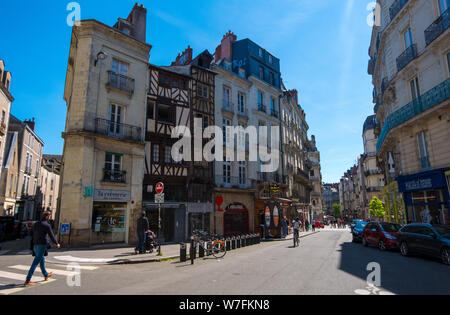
(325,263)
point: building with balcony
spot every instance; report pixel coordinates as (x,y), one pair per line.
(330,193)
(373,178)
(6,100)
(47,193)
(410,65)
(22,165)
(315,175)
(104,148)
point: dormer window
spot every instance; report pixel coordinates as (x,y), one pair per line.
(270,59)
(126,31)
(261,52)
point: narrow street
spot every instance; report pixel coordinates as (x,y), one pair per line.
(325,263)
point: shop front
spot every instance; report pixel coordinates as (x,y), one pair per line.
(109,216)
(173,221)
(270,213)
(199,217)
(236,220)
(426,197)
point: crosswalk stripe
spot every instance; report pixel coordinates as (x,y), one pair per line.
(16,276)
(24,252)
(55,271)
(11,289)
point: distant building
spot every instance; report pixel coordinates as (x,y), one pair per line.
(47,194)
(330,193)
(26,149)
(315,176)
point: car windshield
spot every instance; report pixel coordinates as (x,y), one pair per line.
(390,227)
(443,230)
(360,224)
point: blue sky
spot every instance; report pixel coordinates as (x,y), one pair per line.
(322,44)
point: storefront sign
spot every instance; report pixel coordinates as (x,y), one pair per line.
(112,195)
(424,181)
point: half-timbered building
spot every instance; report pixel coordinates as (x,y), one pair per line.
(177,95)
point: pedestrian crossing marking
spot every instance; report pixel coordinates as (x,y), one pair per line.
(25,252)
(16,276)
(8,289)
(55,271)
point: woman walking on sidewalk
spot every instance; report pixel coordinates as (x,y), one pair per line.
(40,242)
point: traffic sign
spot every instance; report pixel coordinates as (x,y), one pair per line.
(159,188)
(65,229)
(159,198)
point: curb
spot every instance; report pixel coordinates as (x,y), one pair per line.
(149,260)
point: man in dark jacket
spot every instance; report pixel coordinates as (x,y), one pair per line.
(42,234)
(143,227)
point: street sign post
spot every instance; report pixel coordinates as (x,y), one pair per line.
(159,199)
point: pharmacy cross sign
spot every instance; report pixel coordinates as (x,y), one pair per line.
(159,188)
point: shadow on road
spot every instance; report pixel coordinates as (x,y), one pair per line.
(399,275)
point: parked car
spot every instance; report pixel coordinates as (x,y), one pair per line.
(11,228)
(425,239)
(383,235)
(357,230)
(319,225)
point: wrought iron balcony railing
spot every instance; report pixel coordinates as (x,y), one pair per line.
(233,182)
(117,130)
(396,7)
(428,100)
(114,176)
(242,112)
(229,107)
(437,28)
(262,108)
(275,114)
(406,57)
(120,82)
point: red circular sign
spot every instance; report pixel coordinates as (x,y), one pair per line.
(219,202)
(159,188)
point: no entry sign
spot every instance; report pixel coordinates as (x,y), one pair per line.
(159,188)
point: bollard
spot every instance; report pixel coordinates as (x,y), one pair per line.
(233,243)
(238,242)
(192,253)
(183,257)
(259,239)
(244,241)
(201,251)
(228,244)
(252,240)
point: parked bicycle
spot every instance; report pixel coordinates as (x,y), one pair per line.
(211,243)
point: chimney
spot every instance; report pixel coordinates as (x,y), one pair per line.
(31,123)
(294,94)
(138,18)
(184,58)
(225,49)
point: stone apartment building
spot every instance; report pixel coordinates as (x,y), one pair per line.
(6,100)
(315,176)
(24,148)
(47,194)
(10,174)
(410,65)
(104,148)
(330,193)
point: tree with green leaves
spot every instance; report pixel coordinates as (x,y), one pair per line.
(337,210)
(376,208)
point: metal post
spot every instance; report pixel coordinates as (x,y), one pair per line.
(192,251)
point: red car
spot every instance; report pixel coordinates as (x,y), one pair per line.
(319,225)
(383,235)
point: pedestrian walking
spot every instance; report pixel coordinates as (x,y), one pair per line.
(313,225)
(42,234)
(143,227)
(307,225)
(285,227)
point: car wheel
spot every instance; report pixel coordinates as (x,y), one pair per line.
(381,245)
(404,250)
(364,241)
(445,255)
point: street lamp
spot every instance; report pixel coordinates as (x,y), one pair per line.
(100,56)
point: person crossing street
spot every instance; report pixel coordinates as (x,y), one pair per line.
(41,236)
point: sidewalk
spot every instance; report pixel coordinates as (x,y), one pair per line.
(126,255)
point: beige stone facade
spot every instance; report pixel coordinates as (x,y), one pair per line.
(10,174)
(103,160)
(47,194)
(410,62)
